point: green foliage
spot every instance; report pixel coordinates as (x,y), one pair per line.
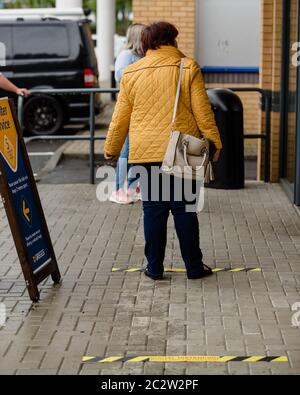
(124,4)
(123,7)
(30,4)
(91,4)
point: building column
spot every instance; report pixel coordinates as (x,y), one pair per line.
(68,3)
(270,79)
(106,27)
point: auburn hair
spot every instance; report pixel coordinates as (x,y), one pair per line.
(157,34)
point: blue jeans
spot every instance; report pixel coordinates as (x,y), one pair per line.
(156,215)
(123,168)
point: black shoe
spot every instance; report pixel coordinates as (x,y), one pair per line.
(160,277)
(206,271)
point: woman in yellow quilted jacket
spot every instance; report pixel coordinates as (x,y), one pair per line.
(144,110)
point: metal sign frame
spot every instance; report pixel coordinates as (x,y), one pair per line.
(32,279)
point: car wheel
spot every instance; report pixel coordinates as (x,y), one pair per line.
(43,115)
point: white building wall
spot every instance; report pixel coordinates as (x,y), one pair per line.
(228,33)
(68,3)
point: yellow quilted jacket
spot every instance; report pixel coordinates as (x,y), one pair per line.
(146,101)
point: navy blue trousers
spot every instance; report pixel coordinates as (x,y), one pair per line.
(156,214)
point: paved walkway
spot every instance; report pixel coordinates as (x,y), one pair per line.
(97,312)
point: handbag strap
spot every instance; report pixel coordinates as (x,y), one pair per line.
(177,94)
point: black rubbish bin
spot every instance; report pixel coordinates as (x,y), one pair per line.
(229,171)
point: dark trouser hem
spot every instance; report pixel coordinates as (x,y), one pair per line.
(156,215)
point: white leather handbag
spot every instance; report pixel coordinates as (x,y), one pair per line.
(186,156)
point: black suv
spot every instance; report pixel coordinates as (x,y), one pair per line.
(51,53)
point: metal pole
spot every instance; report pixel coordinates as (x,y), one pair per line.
(20,110)
(297,153)
(268,134)
(61,137)
(83,91)
(284,86)
(297,164)
(92,138)
(113,84)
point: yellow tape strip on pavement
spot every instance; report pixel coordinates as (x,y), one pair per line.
(186,358)
(175,270)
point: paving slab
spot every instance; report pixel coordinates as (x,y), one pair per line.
(97,312)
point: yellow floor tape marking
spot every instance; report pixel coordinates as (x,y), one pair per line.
(86,359)
(225,359)
(138,359)
(186,358)
(180,270)
(281,359)
(110,359)
(254,358)
(199,358)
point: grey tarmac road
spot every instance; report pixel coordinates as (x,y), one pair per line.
(67,171)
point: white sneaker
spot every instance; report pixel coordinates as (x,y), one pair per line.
(135,194)
(120,197)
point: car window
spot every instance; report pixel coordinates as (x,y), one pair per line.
(5,41)
(40,42)
(87,36)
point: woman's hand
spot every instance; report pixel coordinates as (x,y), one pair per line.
(217,155)
(23,92)
(6,85)
(110,158)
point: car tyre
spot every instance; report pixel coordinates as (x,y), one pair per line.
(43,115)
